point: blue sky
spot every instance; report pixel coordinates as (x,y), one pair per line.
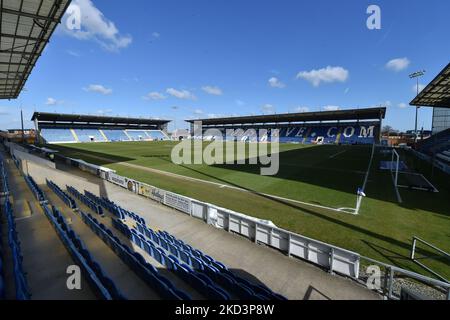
(189,59)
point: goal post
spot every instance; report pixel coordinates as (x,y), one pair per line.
(395,165)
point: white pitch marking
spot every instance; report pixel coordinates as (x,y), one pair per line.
(336,154)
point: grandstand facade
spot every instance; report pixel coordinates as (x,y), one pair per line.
(71,128)
(358,126)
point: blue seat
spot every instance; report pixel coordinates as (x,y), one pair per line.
(185,257)
(164,244)
(173,250)
(217,293)
(196,264)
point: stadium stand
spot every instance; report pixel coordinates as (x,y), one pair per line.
(57,135)
(437,143)
(70,128)
(359,126)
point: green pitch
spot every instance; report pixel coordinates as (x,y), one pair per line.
(322,175)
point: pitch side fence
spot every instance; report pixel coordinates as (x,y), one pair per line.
(329,257)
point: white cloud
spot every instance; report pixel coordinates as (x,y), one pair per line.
(421,87)
(73,53)
(331,108)
(98,88)
(276,83)
(181,94)
(95,26)
(301,109)
(268,108)
(326,75)
(53,102)
(398,64)
(216,91)
(402,105)
(154,96)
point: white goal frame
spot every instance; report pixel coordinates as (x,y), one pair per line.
(397,166)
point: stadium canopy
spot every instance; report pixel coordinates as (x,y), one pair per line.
(340,115)
(58,120)
(26,27)
(436,93)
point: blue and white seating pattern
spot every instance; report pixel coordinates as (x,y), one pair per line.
(62,135)
(335,133)
(57,135)
(115,135)
(89,135)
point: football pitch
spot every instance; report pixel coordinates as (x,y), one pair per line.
(310,180)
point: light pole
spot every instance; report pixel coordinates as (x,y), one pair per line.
(416,75)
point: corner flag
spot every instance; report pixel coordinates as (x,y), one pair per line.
(360,192)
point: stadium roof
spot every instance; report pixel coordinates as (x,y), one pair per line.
(58,119)
(70,118)
(354,114)
(437,92)
(26,27)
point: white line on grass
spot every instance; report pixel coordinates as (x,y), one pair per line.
(220,185)
(336,154)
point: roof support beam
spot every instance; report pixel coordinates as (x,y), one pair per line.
(29,15)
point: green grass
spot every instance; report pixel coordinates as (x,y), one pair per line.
(325,175)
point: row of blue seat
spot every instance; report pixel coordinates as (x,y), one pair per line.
(201,283)
(204,263)
(88,202)
(115,209)
(94,267)
(148,273)
(4,189)
(61,194)
(38,193)
(192,258)
(104,203)
(101,284)
(22,291)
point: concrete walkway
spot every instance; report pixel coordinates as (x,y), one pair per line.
(291,277)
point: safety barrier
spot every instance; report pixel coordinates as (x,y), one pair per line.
(259,231)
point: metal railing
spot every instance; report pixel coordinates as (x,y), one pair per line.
(413,256)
